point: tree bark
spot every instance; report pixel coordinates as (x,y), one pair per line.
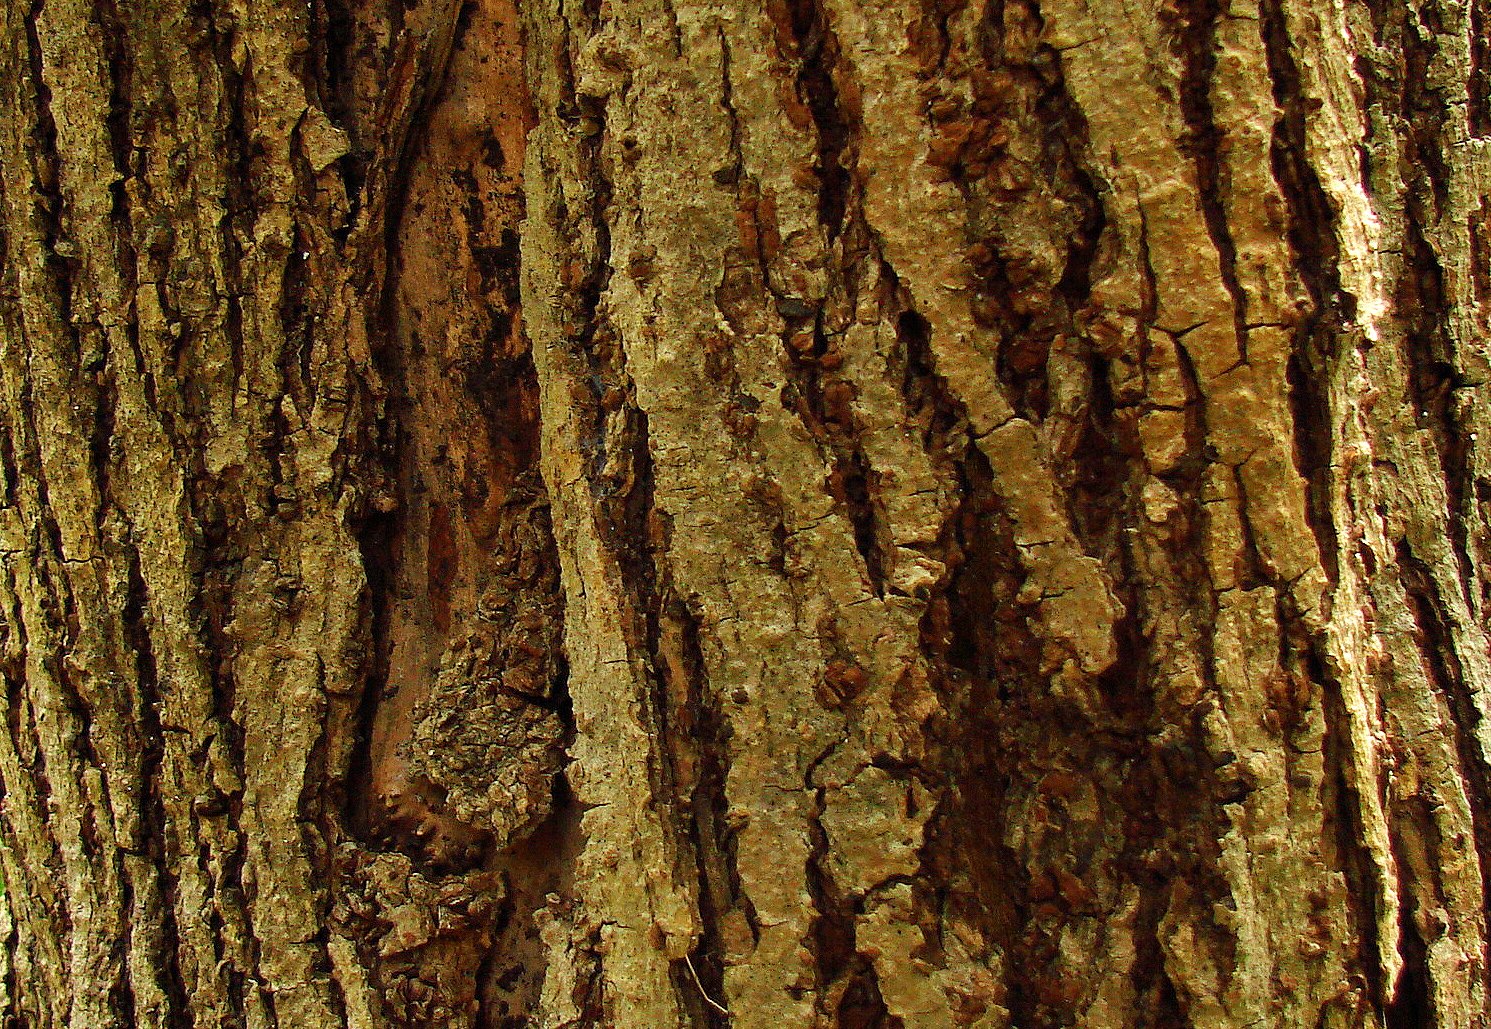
(651,513)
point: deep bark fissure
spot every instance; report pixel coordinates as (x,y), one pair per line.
(719,887)
(239,201)
(1311,233)
(592,326)
(1412,1003)
(822,399)
(677,706)
(1423,112)
(333,25)
(677,702)
(1342,804)
(825,409)
(838,967)
(1188,540)
(22,727)
(1100,500)
(15,1018)
(114,34)
(817,56)
(136,620)
(1028,299)
(8,467)
(46,163)
(1195,43)
(1445,673)
(232,883)
(538,869)
(983,659)
(1178,849)
(1408,89)
(1433,384)
(1311,447)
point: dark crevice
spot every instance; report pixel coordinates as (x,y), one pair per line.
(821,398)
(1152,984)
(1027,296)
(1195,45)
(688,768)
(8,467)
(823,401)
(661,629)
(121,990)
(851,485)
(136,619)
(1252,571)
(14,1017)
(1310,230)
(1479,231)
(50,207)
(46,178)
(114,36)
(295,311)
(1424,113)
(861,1006)
(1442,668)
(1401,79)
(817,51)
(832,939)
(1187,534)
(375,535)
(1412,1000)
(539,868)
(720,889)
(985,661)
(1433,384)
(1341,793)
(416,81)
(1312,445)
(1099,489)
(333,33)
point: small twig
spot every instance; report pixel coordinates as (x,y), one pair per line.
(703,992)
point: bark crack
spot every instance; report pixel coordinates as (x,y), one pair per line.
(1440,659)
(1311,231)
(152,814)
(1195,44)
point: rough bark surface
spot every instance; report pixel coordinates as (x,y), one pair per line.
(651,513)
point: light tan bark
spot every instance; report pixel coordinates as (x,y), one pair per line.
(781,513)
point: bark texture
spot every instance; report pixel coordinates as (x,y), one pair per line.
(655,513)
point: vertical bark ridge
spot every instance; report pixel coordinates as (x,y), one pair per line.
(131,336)
(58,680)
(1420,74)
(597,445)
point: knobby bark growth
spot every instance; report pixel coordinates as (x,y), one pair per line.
(653,513)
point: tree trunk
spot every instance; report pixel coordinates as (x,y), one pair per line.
(653,513)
